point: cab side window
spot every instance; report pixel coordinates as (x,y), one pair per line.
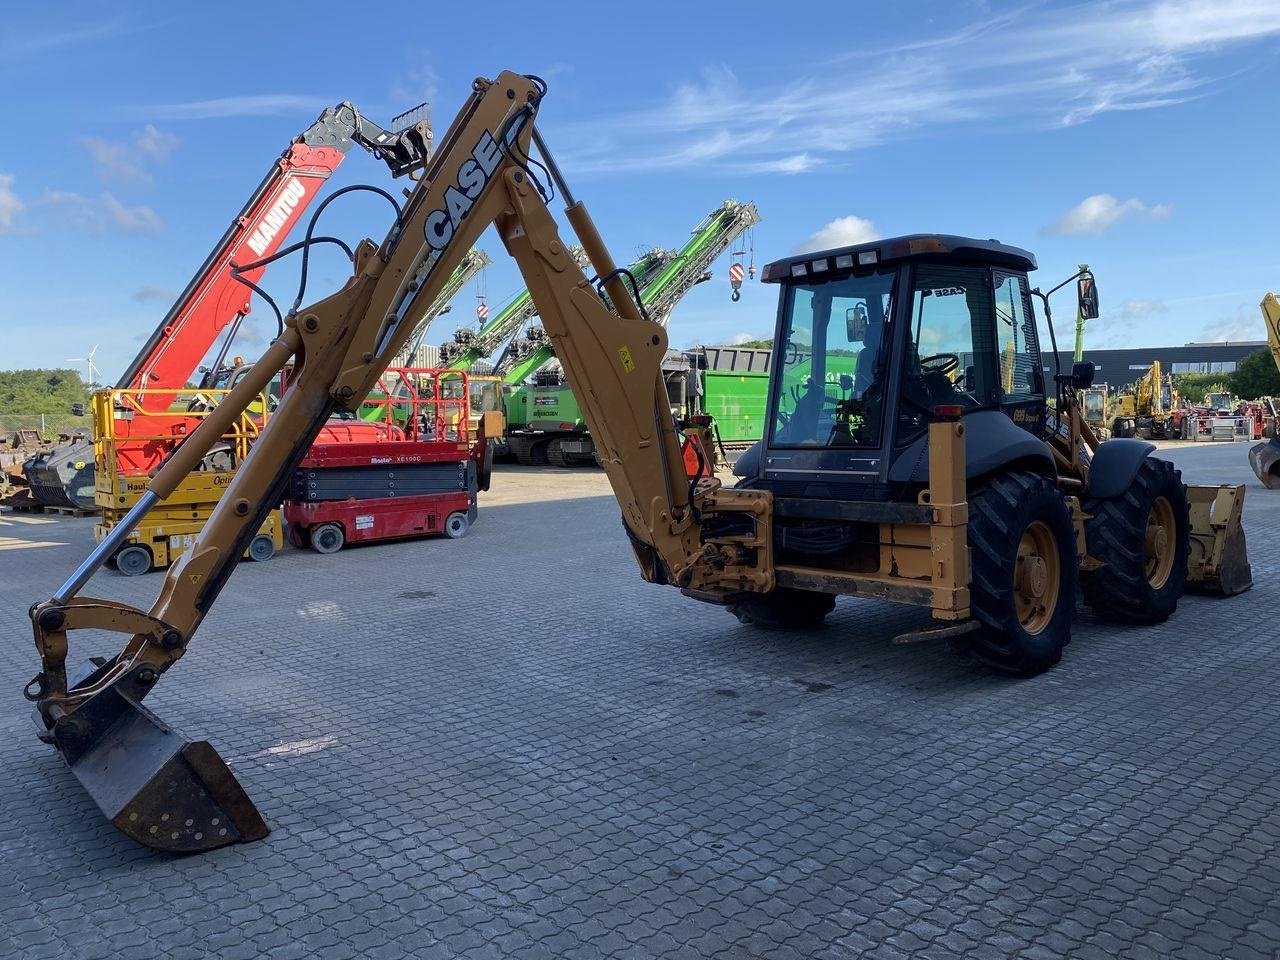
(1020,375)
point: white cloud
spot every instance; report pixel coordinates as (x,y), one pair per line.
(799,163)
(1099,213)
(10,205)
(1032,67)
(1137,310)
(840,232)
(124,161)
(99,215)
(1245,324)
(257,105)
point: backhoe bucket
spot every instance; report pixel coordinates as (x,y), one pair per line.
(1265,459)
(1218,561)
(157,787)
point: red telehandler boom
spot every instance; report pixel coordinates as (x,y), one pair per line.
(216,300)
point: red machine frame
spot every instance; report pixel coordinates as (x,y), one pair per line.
(430,409)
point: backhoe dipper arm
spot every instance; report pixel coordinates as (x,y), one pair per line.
(481,175)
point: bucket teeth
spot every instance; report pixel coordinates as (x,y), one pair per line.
(158,788)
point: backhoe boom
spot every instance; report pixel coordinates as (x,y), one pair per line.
(611,354)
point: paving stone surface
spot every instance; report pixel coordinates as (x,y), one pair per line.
(510,746)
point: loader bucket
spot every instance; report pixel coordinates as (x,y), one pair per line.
(1265,460)
(157,787)
(1217,561)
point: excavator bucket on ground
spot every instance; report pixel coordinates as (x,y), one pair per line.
(1218,561)
(1265,459)
(153,784)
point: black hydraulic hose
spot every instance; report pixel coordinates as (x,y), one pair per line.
(237,271)
(311,225)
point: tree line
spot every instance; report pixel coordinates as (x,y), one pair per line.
(48,391)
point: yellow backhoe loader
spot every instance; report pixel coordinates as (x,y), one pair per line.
(1265,457)
(900,461)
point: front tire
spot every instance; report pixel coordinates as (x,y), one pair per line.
(1142,538)
(456,525)
(784,608)
(262,548)
(1022,573)
(327,538)
(134,560)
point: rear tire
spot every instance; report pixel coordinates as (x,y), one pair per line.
(327,538)
(784,608)
(456,525)
(1142,538)
(261,548)
(1022,572)
(134,560)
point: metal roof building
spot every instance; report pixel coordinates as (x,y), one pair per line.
(1120,366)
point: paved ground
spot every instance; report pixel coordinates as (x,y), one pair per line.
(508,745)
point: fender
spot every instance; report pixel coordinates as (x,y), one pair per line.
(1114,465)
(748,462)
(991,440)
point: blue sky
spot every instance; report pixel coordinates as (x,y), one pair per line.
(1136,136)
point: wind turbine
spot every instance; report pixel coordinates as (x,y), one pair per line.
(91,368)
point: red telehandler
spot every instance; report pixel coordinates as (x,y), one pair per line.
(216,301)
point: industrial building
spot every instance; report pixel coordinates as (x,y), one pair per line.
(1121,366)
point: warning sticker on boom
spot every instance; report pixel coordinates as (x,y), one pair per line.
(625,356)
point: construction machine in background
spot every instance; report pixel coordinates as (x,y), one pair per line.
(215,301)
(1265,457)
(894,466)
(728,384)
(1093,406)
(545,422)
(1150,410)
(421,480)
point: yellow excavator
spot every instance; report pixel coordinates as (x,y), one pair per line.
(1149,410)
(900,462)
(1265,457)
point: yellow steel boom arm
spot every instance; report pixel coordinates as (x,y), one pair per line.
(481,175)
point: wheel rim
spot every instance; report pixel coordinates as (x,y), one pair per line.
(1161,540)
(133,561)
(1037,577)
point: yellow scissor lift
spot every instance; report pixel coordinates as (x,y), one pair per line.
(131,439)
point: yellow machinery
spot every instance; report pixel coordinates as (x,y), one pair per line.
(1093,407)
(898,463)
(1148,410)
(1265,457)
(120,479)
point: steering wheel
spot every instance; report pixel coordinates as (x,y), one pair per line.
(943,363)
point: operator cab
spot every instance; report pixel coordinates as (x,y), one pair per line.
(875,341)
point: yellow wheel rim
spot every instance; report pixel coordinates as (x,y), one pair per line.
(1160,543)
(1037,578)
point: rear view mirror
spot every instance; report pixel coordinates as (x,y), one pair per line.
(1087,294)
(856,324)
(1082,374)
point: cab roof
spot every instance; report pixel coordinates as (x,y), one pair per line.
(918,246)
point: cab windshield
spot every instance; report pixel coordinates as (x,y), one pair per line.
(834,353)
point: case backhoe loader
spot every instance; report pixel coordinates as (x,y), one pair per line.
(1265,457)
(897,464)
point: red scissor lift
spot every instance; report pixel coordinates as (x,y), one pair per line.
(421,481)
